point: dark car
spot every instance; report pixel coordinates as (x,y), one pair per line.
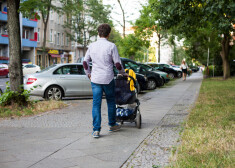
(142,81)
(165,68)
(194,68)
(164,75)
(154,79)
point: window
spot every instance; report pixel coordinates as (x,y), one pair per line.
(58,38)
(55,37)
(51,15)
(51,35)
(58,19)
(62,39)
(25,33)
(70,70)
(62,19)
(132,65)
(80,70)
(67,40)
(38,34)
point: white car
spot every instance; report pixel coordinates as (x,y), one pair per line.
(30,69)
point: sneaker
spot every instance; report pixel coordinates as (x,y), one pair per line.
(96,134)
(115,128)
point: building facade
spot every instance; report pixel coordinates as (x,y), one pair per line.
(28,36)
(58,46)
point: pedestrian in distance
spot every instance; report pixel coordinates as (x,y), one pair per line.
(104,56)
(184,68)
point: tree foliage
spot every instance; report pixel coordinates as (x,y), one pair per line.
(130,45)
(191,15)
(148,23)
(84,16)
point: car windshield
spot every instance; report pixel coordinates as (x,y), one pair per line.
(47,69)
(130,65)
(147,67)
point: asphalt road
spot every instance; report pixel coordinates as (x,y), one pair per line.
(3,81)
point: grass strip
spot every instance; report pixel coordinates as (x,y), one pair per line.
(208,139)
(32,109)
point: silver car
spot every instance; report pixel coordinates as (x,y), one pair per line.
(57,81)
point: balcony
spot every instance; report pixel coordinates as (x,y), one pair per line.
(29,22)
(4,39)
(3,16)
(29,43)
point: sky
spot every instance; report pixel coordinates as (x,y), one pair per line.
(131,8)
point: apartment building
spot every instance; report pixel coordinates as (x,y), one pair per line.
(58,44)
(59,48)
(28,36)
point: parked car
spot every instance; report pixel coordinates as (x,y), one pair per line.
(30,69)
(59,80)
(4,71)
(165,68)
(178,69)
(194,68)
(63,80)
(164,75)
(154,79)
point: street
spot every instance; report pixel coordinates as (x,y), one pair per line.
(3,81)
(62,138)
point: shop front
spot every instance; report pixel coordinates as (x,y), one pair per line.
(53,57)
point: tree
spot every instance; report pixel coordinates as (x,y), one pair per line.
(84,16)
(123,19)
(130,45)
(188,16)
(15,67)
(148,23)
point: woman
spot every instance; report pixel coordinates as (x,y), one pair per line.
(184,68)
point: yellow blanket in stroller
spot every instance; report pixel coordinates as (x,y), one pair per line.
(132,74)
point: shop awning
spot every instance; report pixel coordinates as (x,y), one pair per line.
(55,55)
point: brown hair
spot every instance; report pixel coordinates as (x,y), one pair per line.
(104,30)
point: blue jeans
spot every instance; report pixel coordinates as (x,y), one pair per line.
(109,90)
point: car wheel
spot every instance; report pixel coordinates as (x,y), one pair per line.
(179,74)
(7,75)
(54,93)
(138,87)
(163,81)
(171,75)
(152,84)
(138,119)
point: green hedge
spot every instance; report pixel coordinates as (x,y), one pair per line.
(218,71)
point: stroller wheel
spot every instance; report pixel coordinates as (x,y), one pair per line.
(138,120)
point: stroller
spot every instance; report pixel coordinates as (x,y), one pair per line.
(126,99)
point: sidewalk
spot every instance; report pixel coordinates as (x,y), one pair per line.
(62,138)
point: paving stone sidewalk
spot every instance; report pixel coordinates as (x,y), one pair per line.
(62,138)
(158,146)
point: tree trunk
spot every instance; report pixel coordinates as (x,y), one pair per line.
(224,55)
(45,22)
(159,47)
(123,18)
(15,67)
